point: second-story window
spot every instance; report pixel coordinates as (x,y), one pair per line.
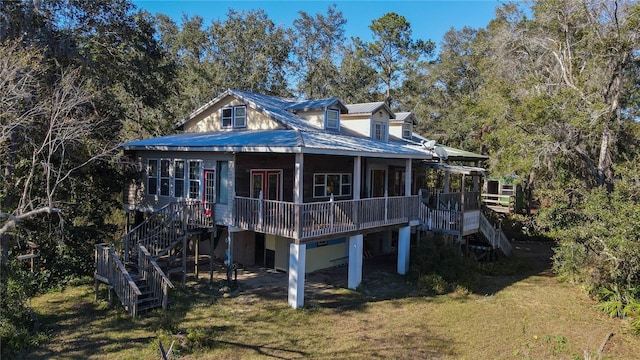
(379,130)
(407,130)
(234,117)
(333,119)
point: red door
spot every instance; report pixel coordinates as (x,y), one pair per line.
(269,182)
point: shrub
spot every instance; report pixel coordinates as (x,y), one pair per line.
(17,320)
(437,263)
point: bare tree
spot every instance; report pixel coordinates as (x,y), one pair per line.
(46,132)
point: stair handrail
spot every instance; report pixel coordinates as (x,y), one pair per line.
(496,236)
(194,217)
(152,229)
(109,266)
(157,280)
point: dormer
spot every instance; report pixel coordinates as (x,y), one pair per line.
(402,125)
(369,119)
(324,113)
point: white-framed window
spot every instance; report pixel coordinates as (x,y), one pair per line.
(165,177)
(174,177)
(234,117)
(407,130)
(194,179)
(179,172)
(380,130)
(152,176)
(333,119)
(338,184)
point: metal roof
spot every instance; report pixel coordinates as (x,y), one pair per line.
(274,107)
(369,108)
(280,141)
(317,104)
(406,116)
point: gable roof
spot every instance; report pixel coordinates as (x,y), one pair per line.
(271,106)
(279,109)
(406,116)
(369,108)
(319,104)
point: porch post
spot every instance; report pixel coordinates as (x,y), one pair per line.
(355,261)
(447,181)
(298,192)
(357,177)
(297,258)
(407,177)
(404,242)
(297,179)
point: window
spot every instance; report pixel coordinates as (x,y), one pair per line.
(333,119)
(222,191)
(194,180)
(178,178)
(152,176)
(165,176)
(379,130)
(407,130)
(234,117)
(325,185)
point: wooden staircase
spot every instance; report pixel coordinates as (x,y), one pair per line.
(139,281)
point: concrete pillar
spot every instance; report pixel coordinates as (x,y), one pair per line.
(297,258)
(404,242)
(355,260)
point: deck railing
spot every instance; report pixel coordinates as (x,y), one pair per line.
(496,236)
(508,202)
(446,221)
(309,220)
(109,267)
(166,226)
(158,282)
(453,200)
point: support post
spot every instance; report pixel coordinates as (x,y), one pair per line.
(404,243)
(355,261)
(196,260)
(297,259)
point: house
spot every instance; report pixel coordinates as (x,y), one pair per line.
(293,185)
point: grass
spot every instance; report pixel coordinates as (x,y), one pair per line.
(523,314)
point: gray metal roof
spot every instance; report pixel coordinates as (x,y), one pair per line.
(369,108)
(280,141)
(406,116)
(274,107)
(317,104)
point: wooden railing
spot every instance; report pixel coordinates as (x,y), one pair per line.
(496,236)
(157,281)
(508,202)
(471,222)
(109,267)
(310,220)
(453,201)
(160,231)
(446,221)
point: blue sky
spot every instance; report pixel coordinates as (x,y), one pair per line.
(429,19)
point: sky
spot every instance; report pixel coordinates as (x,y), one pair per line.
(429,19)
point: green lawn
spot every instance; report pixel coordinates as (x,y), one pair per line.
(527,315)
